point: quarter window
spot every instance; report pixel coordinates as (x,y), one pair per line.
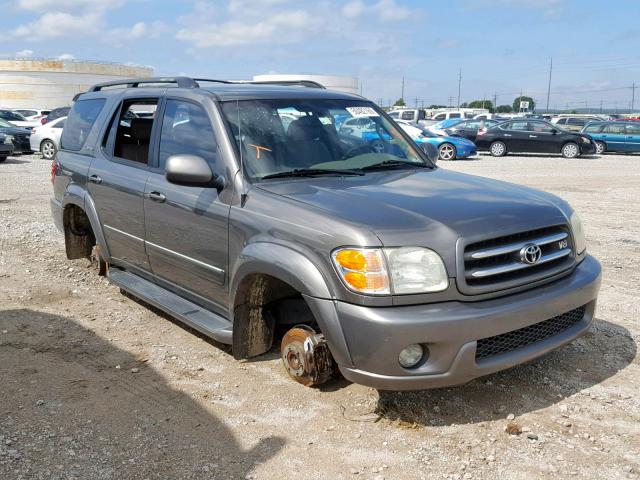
(186,129)
(633,129)
(79,123)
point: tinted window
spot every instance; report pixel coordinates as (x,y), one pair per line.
(134,130)
(562,121)
(79,123)
(471,125)
(633,129)
(408,115)
(394,114)
(11,116)
(27,113)
(186,130)
(454,115)
(615,128)
(576,121)
(519,126)
(440,116)
(540,127)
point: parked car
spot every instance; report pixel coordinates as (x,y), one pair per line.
(32,113)
(573,124)
(468,128)
(46,138)
(20,136)
(440,127)
(614,136)
(16,119)
(411,115)
(533,136)
(403,274)
(6,146)
(55,113)
(449,148)
(491,116)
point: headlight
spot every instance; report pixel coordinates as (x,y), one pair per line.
(578,233)
(585,140)
(8,139)
(399,271)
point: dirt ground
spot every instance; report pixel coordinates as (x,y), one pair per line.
(95,386)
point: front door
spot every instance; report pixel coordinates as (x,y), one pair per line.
(117,180)
(187,227)
(614,135)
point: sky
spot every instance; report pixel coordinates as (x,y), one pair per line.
(501,47)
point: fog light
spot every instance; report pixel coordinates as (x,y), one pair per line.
(410,356)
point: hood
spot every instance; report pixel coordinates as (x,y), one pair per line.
(432,208)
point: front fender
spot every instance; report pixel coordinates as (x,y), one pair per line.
(293,268)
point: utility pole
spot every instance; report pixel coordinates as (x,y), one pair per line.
(450,100)
(402,96)
(633,96)
(459,84)
(495,101)
(549,86)
(416,102)
(600,106)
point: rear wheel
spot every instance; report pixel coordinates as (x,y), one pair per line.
(600,147)
(570,150)
(446,151)
(498,149)
(48,149)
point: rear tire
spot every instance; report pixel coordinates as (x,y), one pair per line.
(498,149)
(601,147)
(570,150)
(48,149)
(447,151)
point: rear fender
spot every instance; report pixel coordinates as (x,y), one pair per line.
(76,195)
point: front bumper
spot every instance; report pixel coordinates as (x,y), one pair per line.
(6,149)
(375,336)
(588,148)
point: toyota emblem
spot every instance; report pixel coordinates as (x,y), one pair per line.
(530,254)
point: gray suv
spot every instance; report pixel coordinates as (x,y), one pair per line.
(242,210)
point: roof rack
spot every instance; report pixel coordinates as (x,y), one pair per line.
(188,82)
(288,83)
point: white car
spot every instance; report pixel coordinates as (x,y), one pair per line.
(17,119)
(46,138)
(32,114)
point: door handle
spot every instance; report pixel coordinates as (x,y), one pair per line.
(157,197)
(533,136)
(95,179)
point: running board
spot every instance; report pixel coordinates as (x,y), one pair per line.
(206,322)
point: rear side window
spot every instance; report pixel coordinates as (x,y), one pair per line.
(562,121)
(186,130)
(633,129)
(408,115)
(79,123)
(440,116)
(454,115)
(615,128)
(134,130)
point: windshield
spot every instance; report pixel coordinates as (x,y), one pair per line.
(283,135)
(12,116)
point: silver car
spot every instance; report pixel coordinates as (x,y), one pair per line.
(46,138)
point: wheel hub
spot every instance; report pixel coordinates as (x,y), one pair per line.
(306,357)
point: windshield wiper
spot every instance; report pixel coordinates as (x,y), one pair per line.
(311,172)
(395,163)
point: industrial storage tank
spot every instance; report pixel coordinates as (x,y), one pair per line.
(332,82)
(47,84)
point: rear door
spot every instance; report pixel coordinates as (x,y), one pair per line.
(187,227)
(632,143)
(517,138)
(118,176)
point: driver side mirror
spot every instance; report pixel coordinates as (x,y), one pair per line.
(431,151)
(192,171)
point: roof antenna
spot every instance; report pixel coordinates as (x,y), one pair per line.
(243,195)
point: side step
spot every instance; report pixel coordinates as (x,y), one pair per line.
(206,322)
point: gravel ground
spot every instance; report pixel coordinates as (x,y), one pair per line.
(95,385)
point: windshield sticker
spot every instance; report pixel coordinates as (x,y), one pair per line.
(362,112)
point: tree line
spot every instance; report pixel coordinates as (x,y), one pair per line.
(488,104)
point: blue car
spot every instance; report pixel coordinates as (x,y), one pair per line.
(449,148)
(614,136)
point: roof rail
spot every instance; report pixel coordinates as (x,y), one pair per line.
(188,82)
(288,83)
(181,82)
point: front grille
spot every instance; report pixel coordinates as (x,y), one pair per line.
(507,342)
(496,263)
(22,142)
